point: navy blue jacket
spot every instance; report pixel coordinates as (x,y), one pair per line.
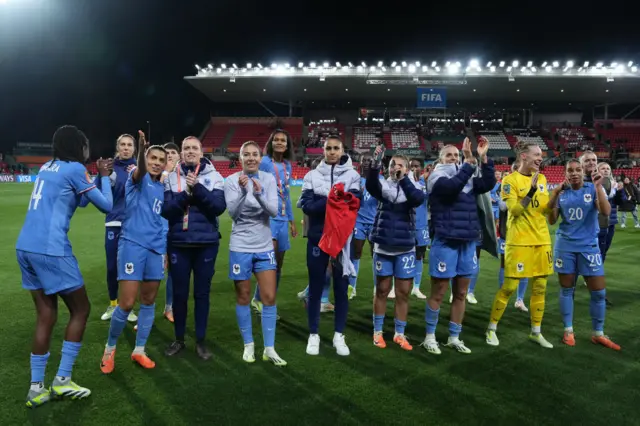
(204,205)
(395,223)
(454,213)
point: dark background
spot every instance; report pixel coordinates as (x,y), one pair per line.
(108,66)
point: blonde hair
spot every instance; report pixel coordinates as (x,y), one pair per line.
(441,155)
(122,136)
(521,147)
(585,153)
(250,143)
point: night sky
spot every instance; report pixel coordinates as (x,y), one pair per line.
(108,66)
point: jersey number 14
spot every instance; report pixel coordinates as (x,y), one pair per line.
(36,195)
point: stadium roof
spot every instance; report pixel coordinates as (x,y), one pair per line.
(501,81)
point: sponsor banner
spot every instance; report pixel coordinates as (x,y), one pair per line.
(7,178)
(408,152)
(26,178)
(267,121)
(429,97)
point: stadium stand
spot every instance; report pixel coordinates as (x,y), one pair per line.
(365,137)
(402,138)
(318,132)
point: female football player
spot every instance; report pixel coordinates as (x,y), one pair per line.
(277,161)
(335,168)
(252,200)
(394,238)
(49,268)
(576,251)
(528,243)
(123,163)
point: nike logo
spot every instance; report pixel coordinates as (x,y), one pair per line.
(208,260)
(540,310)
(499,309)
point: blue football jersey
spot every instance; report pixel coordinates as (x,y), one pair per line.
(578,231)
(56,196)
(495,196)
(282,173)
(421,210)
(142,223)
(368,206)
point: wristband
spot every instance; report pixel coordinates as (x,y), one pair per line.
(532,192)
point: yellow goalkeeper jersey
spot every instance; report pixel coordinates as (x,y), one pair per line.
(526,226)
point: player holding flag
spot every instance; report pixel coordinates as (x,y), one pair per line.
(49,268)
(577,251)
(252,200)
(140,252)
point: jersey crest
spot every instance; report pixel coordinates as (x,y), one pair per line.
(506,189)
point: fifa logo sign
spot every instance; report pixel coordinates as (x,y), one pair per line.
(431,97)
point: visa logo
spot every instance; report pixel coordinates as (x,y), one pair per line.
(432,97)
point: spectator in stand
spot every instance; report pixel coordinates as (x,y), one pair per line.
(630,204)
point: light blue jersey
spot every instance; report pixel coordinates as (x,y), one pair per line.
(142,223)
(578,231)
(421,210)
(368,206)
(56,195)
(282,174)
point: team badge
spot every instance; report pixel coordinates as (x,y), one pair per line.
(236,269)
(506,189)
(128,268)
(111,235)
(587,198)
(88,177)
(174,259)
(475,259)
(442,267)
(520,267)
(207,182)
(315,252)
(502,245)
(541,188)
(559,263)
(378,266)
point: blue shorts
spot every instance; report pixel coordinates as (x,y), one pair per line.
(585,264)
(243,265)
(362,231)
(422,237)
(280,233)
(402,266)
(51,274)
(137,263)
(496,212)
(501,245)
(452,258)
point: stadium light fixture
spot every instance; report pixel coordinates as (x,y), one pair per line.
(515,64)
(607,90)
(249,65)
(287,66)
(630,63)
(224,66)
(338,65)
(544,64)
(437,68)
(509,68)
(232,79)
(523,69)
(372,68)
(599,65)
(489,64)
(547,68)
(360,68)
(561,90)
(398,68)
(418,64)
(586,64)
(210,66)
(434,64)
(379,64)
(312,65)
(474,63)
(235,66)
(634,68)
(350,65)
(569,64)
(614,64)
(447,64)
(305,90)
(393,64)
(529,64)
(517,90)
(384,69)
(556,64)
(404,64)
(260,65)
(502,64)
(218,70)
(300,64)
(364,64)
(534,69)
(425,68)
(412,68)
(325,65)
(493,68)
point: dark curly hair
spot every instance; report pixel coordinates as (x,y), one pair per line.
(288,154)
(69,144)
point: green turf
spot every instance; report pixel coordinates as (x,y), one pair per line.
(516,383)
